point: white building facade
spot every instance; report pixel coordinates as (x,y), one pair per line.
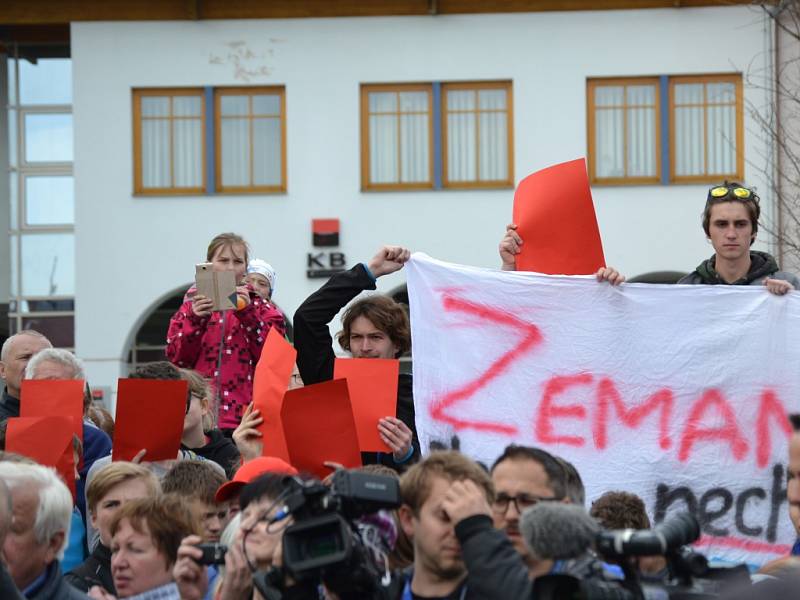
(542,84)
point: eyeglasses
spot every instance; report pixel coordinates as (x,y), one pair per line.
(521,502)
(723,191)
(189,397)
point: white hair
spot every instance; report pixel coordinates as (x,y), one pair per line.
(7,344)
(54,511)
(56,355)
(228,538)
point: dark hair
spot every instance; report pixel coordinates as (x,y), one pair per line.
(620,510)
(751,203)
(160,369)
(193,480)
(270,485)
(555,470)
(385,314)
(794,421)
(574,484)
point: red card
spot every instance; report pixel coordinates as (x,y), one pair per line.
(318,425)
(372,383)
(150,415)
(47,440)
(54,397)
(555,218)
(271,380)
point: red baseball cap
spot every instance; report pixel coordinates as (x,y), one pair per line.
(250,471)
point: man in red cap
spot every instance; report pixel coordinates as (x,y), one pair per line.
(229,492)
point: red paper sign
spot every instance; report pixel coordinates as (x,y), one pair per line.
(555,218)
(54,397)
(47,440)
(150,414)
(372,383)
(318,425)
(271,380)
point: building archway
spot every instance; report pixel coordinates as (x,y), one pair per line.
(148,342)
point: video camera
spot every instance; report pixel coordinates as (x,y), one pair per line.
(688,577)
(324,543)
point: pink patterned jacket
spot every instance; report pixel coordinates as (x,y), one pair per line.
(224,348)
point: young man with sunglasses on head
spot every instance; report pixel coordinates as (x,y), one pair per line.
(730,220)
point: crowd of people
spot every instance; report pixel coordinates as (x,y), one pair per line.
(222,520)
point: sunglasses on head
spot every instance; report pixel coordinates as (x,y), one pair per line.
(723,191)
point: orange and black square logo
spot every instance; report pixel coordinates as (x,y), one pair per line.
(325,232)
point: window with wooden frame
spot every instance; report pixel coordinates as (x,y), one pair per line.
(706,128)
(169,141)
(396,136)
(436,135)
(649,130)
(477,134)
(624,130)
(250,135)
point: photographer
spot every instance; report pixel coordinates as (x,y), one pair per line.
(255,547)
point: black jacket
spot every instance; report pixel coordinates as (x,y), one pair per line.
(8,591)
(221,450)
(55,587)
(315,355)
(9,406)
(494,568)
(95,570)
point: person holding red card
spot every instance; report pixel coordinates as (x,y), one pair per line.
(373,327)
(511,246)
(224,346)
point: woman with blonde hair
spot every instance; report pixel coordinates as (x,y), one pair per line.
(111,488)
(224,346)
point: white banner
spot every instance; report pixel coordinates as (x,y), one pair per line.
(676,393)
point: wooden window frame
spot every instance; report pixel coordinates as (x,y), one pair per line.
(509,111)
(138,188)
(366,89)
(736,79)
(219,92)
(591,86)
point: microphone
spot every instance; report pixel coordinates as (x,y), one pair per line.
(558,531)
(679,530)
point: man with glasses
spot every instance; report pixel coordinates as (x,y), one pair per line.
(523,476)
(730,221)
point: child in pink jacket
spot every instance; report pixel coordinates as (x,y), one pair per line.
(224,346)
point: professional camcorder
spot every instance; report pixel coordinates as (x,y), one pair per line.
(688,575)
(325,543)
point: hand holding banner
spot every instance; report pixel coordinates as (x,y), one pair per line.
(555,218)
(150,414)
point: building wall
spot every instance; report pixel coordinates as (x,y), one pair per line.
(132,251)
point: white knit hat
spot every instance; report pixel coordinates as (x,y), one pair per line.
(263,268)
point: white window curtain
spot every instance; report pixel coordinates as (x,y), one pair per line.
(625,131)
(399,137)
(477,135)
(251,140)
(172,142)
(709,107)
